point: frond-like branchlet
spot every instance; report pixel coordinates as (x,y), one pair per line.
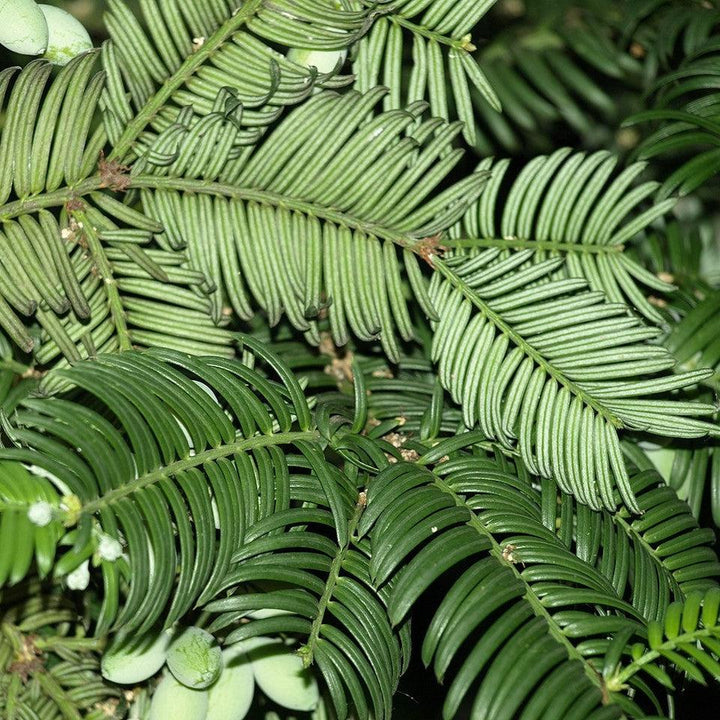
(687,637)
(520,582)
(686,103)
(514,570)
(444,71)
(171,437)
(555,369)
(320,217)
(190,52)
(484,422)
(566,205)
(89,279)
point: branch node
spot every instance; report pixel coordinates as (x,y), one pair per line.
(113,174)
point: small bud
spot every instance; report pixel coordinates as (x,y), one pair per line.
(40,513)
(79,578)
(72,505)
(109,548)
(467,44)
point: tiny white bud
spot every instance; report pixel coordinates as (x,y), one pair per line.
(79,578)
(40,513)
(109,548)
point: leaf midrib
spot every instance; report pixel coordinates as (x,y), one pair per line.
(529,596)
(307,651)
(63,195)
(537,357)
(171,469)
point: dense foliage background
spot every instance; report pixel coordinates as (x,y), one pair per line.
(625,83)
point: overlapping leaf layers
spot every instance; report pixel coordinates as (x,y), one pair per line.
(531,561)
(158,194)
(684,113)
(536,586)
(232,463)
(207,465)
(683,93)
(49,668)
(120,281)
